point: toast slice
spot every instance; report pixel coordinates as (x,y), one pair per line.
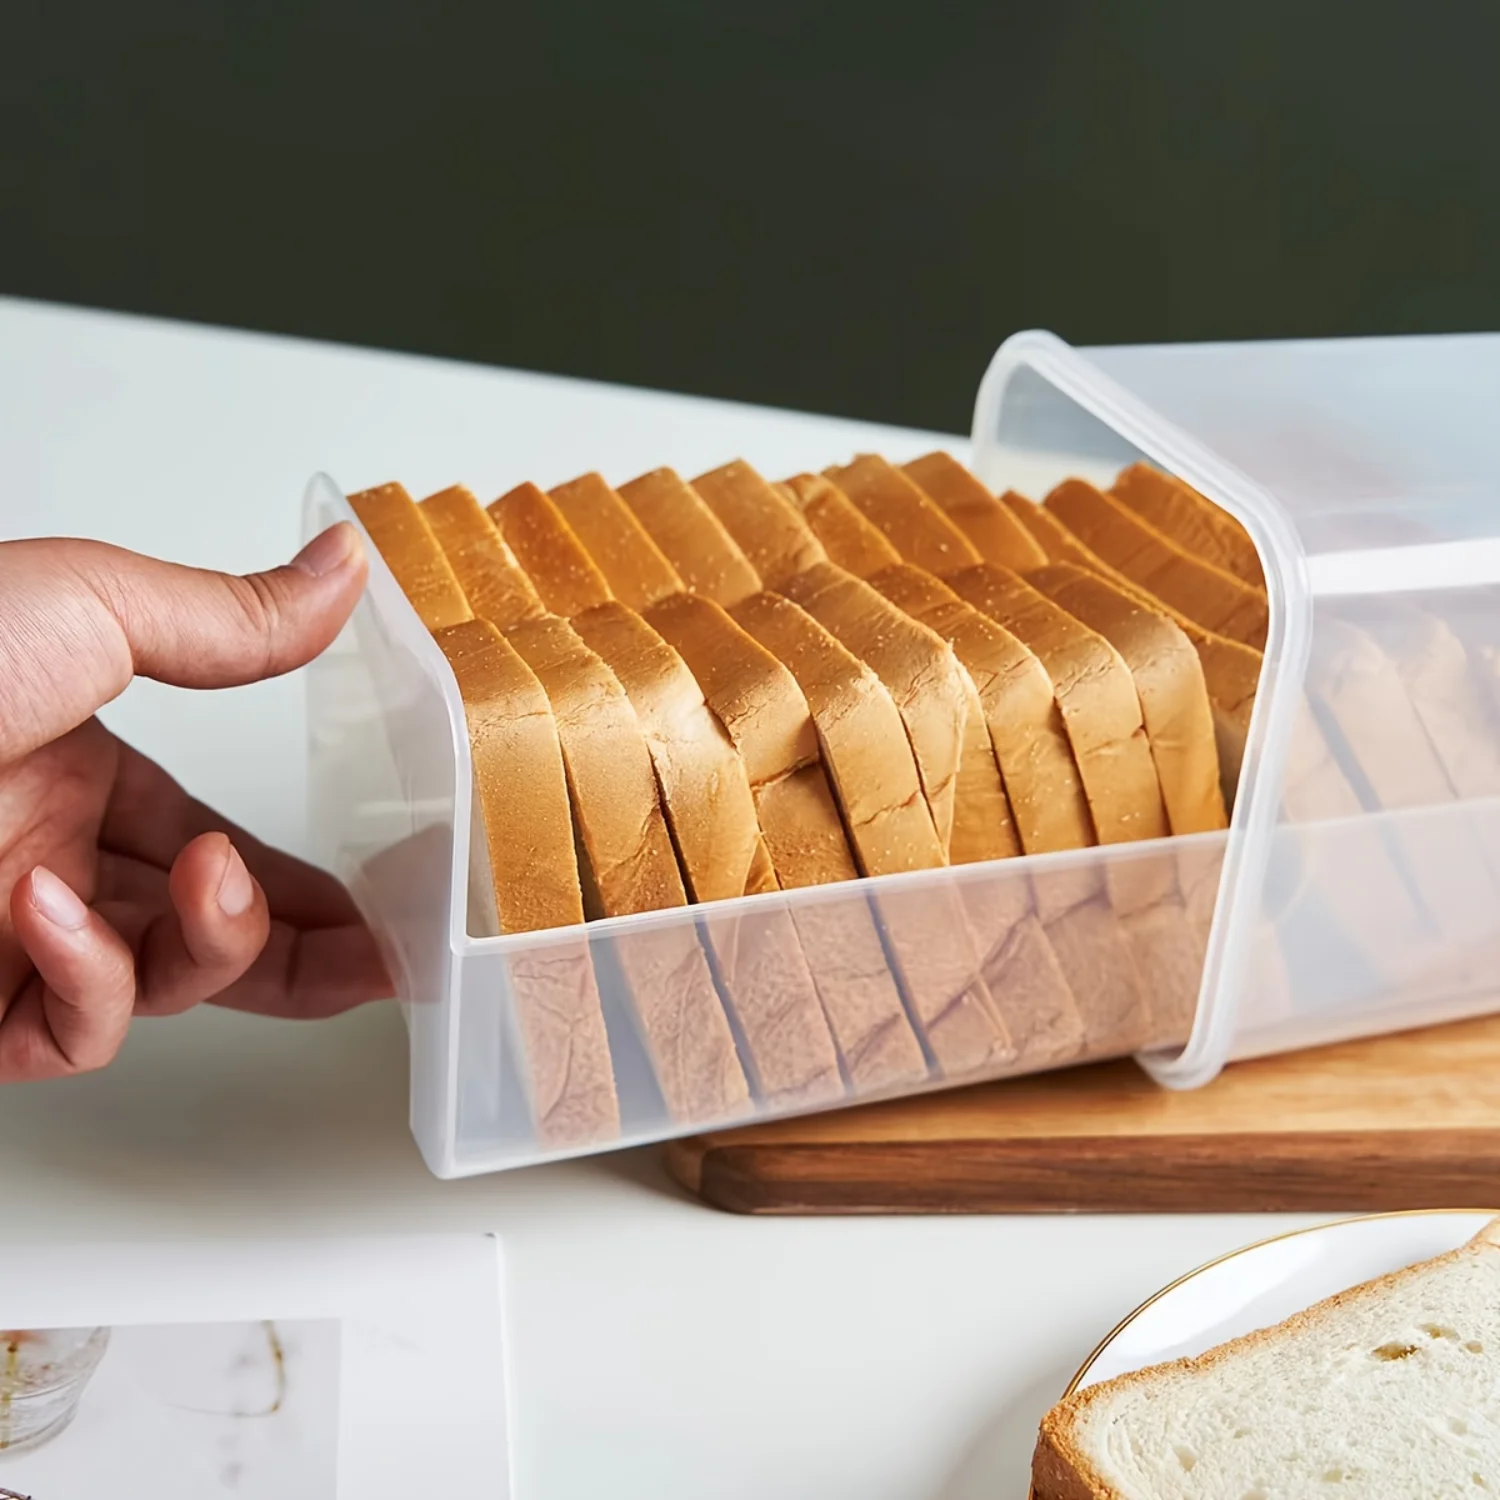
(1231,669)
(890,828)
(1169,682)
(1214,599)
(1192,520)
(493,581)
(995,531)
(635,568)
(917,529)
(557,563)
(711,814)
(765,525)
(405,540)
(532,872)
(691,536)
(851,539)
(1385,1390)
(765,714)
(1017,707)
(627,865)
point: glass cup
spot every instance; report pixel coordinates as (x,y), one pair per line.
(43,1372)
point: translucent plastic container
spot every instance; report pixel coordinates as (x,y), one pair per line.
(1356,891)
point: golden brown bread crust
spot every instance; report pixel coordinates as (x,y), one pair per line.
(1214,599)
(404,539)
(691,536)
(917,529)
(1062,1469)
(1096,694)
(610,775)
(523,797)
(1192,520)
(997,533)
(634,567)
(1231,669)
(850,538)
(1169,682)
(1024,721)
(554,559)
(765,525)
(864,743)
(919,671)
(494,583)
(891,830)
(765,714)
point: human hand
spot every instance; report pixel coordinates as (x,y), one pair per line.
(127,897)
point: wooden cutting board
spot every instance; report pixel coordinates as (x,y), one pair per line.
(1407,1121)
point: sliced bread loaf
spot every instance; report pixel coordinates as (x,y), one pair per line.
(691,536)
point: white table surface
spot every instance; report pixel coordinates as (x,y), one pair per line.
(657,1349)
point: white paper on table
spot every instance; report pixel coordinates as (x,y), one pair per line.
(295,1370)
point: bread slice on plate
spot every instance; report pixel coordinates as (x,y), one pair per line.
(691,536)
(711,814)
(765,714)
(531,875)
(998,533)
(1386,1392)
(635,568)
(412,553)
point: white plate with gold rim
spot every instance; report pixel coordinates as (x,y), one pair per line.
(1268,1282)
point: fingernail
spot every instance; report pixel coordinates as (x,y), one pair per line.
(236,889)
(328,551)
(56,901)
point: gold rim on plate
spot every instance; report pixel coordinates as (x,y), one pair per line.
(1219,1260)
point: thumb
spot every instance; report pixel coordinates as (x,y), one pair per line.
(78,619)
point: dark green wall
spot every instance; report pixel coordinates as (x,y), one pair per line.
(836,207)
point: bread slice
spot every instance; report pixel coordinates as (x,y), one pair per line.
(998,535)
(1231,669)
(917,529)
(493,581)
(1216,600)
(1192,520)
(765,525)
(522,792)
(1385,1391)
(765,714)
(628,866)
(711,814)
(557,563)
(890,827)
(851,539)
(1016,705)
(404,539)
(1169,682)
(691,536)
(931,692)
(635,568)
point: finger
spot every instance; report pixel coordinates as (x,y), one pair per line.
(82,618)
(306,976)
(73,1015)
(150,818)
(212,932)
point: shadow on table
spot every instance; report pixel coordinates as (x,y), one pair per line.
(997,1465)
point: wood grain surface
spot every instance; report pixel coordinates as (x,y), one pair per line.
(1405,1121)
